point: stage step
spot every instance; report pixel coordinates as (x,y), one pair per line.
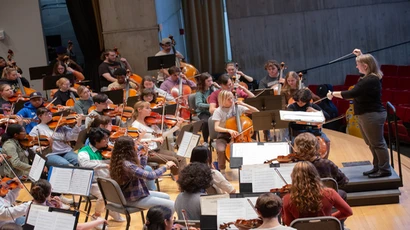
(390,196)
(360,183)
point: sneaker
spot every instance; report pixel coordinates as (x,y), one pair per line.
(116,216)
(100,226)
(66,200)
(65,206)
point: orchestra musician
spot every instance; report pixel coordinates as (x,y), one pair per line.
(101,102)
(166,46)
(64,92)
(148,82)
(90,156)
(3,64)
(370,111)
(10,213)
(292,84)
(231,70)
(302,103)
(193,181)
(10,76)
(226,84)
(108,66)
(204,91)
(30,109)
(61,69)
(127,168)
(159,217)
(308,196)
(120,82)
(272,79)
(175,76)
(6,93)
(84,102)
(149,96)
(62,56)
(220,116)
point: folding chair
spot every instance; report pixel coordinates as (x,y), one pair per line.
(192,107)
(212,133)
(313,223)
(115,201)
(330,183)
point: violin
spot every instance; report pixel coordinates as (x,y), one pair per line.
(283,159)
(7,184)
(156,118)
(107,152)
(30,141)
(282,191)
(11,119)
(114,110)
(130,131)
(242,223)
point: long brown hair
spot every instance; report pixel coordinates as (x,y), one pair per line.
(306,192)
(124,150)
(371,63)
(306,146)
(286,89)
(201,81)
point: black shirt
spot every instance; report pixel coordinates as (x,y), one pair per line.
(4,105)
(296,107)
(14,83)
(107,68)
(366,94)
(62,97)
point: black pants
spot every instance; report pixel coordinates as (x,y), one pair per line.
(205,129)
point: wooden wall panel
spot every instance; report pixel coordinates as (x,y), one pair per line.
(305,34)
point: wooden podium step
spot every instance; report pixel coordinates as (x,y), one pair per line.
(389,196)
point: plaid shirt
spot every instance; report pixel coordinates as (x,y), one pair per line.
(135,187)
(327,168)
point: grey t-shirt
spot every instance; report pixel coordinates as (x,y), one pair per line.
(191,203)
(222,114)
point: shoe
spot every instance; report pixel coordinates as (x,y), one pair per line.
(65,206)
(216,165)
(379,174)
(370,172)
(66,200)
(100,226)
(116,217)
(205,144)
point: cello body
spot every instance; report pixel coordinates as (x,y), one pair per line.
(246,124)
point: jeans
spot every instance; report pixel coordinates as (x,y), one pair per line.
(371,127)
(155,198)
(63,159)
(150,183)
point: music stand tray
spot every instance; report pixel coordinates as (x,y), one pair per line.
(49,82)
(37,73)
(132,100)
(265,120)
(160,62)
(116,96)
(169,109)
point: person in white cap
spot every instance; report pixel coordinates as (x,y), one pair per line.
(166,45)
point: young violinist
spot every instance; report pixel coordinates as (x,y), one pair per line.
(101,102)
(12,148)
(10,213)
(272,67)
(269,206)
(126,168)
(30,109)
(85,100)
(120,82)
(148,82)
(175,76)
(159,218)
(232,69)
(308,196)
(61,153)
(90,156)
(204,91)
(203,155)
(292,85)
(41,193)
(6,93)
(149,96)
(221,115)
(302,103)
(65,92)
(141,111)
(10,76)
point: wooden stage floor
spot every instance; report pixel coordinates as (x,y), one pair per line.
(344,148)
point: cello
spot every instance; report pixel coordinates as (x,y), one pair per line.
(278,88)
(241,123)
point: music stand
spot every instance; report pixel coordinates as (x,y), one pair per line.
(40,72)
(49,82)
(267,92)
(161,62)
(132,100)
(169,109)
(275,102)
(272,117)
(116,96)
(257,102)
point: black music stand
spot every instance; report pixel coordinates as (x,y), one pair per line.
(161,62)
(169,109)
(271,102)
(267,92)
(132,100)
(116,96)
(268,119)
(49,82)
(40,72)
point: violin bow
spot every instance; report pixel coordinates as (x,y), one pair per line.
(290,144)
(184,215)
(262,91)
(253,206)
(13,106)
(58,123)
(245,130)
(161,158)
(280,175)
(15,175)
(51,102)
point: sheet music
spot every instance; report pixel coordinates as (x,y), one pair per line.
(60,179)
(257,153)
(316,117)
(34,211)
(262,179)
(65,221)
(81,182)
(36,168)
(209,205)
(46,222)
(232,209)
(189,141)
(245,175)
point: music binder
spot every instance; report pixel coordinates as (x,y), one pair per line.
(189,142)
(49,218)
(71,180)
(37,168)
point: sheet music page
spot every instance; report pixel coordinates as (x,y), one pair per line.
(184,144)
(60,179)
(254,153)
(250,212)
(65,221)
(302,116)
(245,175)
(262,179)
(46,221)
(81,181)
(35,210)
(37,168)
(192,144)
(232,209)
(209,204)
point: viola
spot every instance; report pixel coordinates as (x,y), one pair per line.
(282,191)
(283,159)
(7,184)
(30,141)
(242,223)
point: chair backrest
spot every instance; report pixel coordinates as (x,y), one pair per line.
(211,125)
(313,223)
(330,183)
(111,191)
(82,137)
(191,101)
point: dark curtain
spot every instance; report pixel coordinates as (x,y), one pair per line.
(85,19)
